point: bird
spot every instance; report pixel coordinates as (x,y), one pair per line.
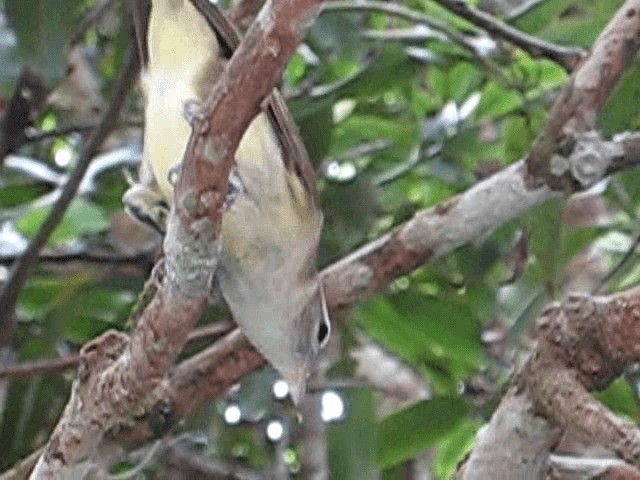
(272,220)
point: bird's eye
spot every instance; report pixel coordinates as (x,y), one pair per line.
(322,334)
(324,325)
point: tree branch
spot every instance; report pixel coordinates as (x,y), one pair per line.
(568,57)
(202,466)
(583,345)
(429,235)
(244,11)
(86,256)
(408,14)
(58,365)
(576,108)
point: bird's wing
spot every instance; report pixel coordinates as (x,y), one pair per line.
(140,18)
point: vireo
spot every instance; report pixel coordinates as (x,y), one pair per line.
(272,222)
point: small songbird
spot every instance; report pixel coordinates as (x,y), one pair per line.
(271,224)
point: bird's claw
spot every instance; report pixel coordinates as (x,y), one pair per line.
(195,115)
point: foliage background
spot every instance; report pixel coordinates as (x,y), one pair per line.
(397,117)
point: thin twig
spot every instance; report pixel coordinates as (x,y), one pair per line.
(58,365)
(87,257)
(617,268)
(415,157)
(206,467)
(568,57)
(318,92)
(34,135)
(213,330)
(412,34)
(420,18)
(41,367)
(353,384)
(137,471)
(29,258)
(361,150)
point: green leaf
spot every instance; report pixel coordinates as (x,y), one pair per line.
(348,227)
(452,325)
(620,397)
(455,83)
(296,69)
(352,442)
(15,194)
(403,132)
(409,432)
(390,70)
(571,22)
(621,111)
(497,101)
(546,227)
(35,298)
(40,296)
(583,28)
(517,136)
(453,448)
(316,130)
(551,75)
(441,338)
(539,16)
(43,29)
(28,410)
(82,218)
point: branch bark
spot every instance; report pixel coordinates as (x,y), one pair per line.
(583,345)
(576,109)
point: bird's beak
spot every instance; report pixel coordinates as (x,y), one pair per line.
(297,385)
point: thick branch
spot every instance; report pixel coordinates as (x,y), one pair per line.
(194,382)
(244,11)
(577,106)
(116,378)
(553,383)
(583,345)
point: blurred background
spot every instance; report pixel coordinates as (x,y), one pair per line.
(401,105)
